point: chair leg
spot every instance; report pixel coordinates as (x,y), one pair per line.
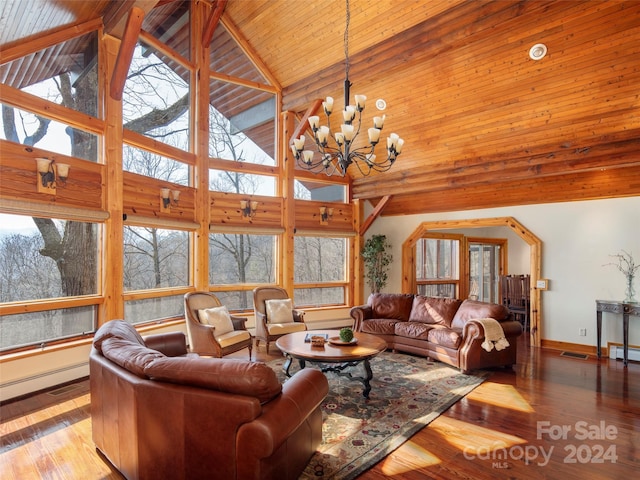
(267,347)
(250,346)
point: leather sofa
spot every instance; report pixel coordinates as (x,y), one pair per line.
(444,329)
(158,412)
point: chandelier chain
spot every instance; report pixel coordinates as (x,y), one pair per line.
(346,42)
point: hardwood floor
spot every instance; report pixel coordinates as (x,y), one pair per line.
(552,417)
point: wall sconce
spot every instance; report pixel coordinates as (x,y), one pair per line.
(52,175)
(248,208)
(169,198)
(326,214)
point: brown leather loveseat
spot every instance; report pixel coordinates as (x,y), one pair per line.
(445,329)
(159,413)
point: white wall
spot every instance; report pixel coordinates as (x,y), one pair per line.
(577,239)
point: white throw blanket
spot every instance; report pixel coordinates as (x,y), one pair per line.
(493,334)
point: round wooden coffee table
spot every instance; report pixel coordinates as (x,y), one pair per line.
(333,357)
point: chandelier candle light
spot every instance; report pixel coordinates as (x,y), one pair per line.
(336,159)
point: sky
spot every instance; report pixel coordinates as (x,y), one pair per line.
(10,224)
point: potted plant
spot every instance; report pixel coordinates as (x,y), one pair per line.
(376,261)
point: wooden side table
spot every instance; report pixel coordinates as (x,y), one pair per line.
(627,309)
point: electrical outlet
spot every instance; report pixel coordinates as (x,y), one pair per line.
(583,332)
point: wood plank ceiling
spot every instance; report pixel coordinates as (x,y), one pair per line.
(484,124)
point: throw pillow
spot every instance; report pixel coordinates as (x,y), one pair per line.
(217,317)
(279,311)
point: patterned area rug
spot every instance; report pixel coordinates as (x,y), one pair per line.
(407,393)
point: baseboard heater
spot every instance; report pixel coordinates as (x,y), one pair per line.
(617,352)
(42,375)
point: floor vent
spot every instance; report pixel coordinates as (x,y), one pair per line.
(581,356)
(62,390)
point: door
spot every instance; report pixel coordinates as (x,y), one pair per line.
(485,265)
(437,265)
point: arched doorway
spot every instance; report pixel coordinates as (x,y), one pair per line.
(535,244)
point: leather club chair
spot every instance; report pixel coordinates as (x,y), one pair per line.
(160,413)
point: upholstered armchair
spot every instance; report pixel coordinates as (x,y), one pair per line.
(211,330)
(275,315)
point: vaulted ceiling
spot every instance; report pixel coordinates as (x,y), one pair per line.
(484,124)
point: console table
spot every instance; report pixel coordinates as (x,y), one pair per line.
(627,309)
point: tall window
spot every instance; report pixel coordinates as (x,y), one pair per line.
(320,271)
(154,259)
(238,262)
(305,189)
(152,165)
(238,139)
(156,104)
(155,101)
(69,80)
(48,260)
(437,267)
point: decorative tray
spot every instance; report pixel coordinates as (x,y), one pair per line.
(337,341)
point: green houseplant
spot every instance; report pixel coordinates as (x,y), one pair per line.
(376,261)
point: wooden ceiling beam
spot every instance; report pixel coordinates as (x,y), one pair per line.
(569,187)
(40,42)
(375,214)
(546,161)
(115,20)
(125,54)
(302,125)
(212,22)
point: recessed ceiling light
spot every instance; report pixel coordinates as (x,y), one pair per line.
(538,51)
(381,104)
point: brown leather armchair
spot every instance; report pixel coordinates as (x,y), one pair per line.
(158,412)
(203,338)
(267,329)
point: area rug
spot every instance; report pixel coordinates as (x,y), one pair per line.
(407,393)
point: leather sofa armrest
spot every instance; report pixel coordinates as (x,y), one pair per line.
(301,395)
(359,314)
(172,344)
(239,323)
(512,328)
(473,330)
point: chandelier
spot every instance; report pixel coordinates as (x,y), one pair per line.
(337,154)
